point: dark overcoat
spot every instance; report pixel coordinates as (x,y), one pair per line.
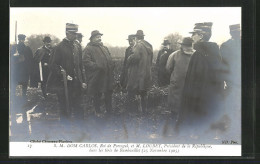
(163,75)
(203,84)
(123,76)
(61,58)
(21,65)
(231,57)
(99,67)
(139,67)
(42,55)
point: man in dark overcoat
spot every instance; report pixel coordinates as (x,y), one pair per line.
(63,61)
(41,67)
(139,71)
(128,52)
(231,59)
(20,67)
(203,88)
(162,57)
(99,72)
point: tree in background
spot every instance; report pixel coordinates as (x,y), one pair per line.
(35,41)
(174,39)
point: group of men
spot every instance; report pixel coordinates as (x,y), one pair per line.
(195,74)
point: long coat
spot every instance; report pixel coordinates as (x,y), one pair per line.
(203,84)
(42,55)
(21,65)
(163,75)
(177,66)
(99,68)
(231,58)
(123,76)
(139,67)
(62,58)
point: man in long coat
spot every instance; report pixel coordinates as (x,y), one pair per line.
(99,71)
(63,61)
(139,71)
(162,57)
(21,65)
(231,59)
(203,86)
(128,52)
(41,67)
(177,66)
(20,68)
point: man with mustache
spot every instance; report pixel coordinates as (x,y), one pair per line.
(99,72)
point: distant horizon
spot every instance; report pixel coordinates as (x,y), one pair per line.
(117,23)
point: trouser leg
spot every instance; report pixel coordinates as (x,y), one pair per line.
(97,101)
(108,101)
(130,101)
(144,99)
(43,87)
(62,104)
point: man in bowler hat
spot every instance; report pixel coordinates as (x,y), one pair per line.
(99,72)
(162,57)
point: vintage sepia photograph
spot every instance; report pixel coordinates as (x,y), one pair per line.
(123,76)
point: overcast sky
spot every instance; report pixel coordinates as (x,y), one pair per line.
(117,23)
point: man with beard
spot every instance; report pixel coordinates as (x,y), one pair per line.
(128,52)
(202,92)
(99,72)
(177,66)
(139,71)
(21,65)
(64,61)
(41,67)
(163,75)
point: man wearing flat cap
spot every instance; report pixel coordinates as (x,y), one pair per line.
(62,63)
(41,67)
(99,72)
(231,59)
(177,66)
(21,65)
(128,52)
(139,71)
(203,88)
(162,57)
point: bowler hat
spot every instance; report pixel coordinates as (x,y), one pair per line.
(21,37)
(95,33)
(139,33)
(187,41)
(70,27)
(47,39)
(166,42)
(234,27)
(130,37)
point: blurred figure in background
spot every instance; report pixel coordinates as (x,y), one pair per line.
(128,52)
(162,57)
(41,67)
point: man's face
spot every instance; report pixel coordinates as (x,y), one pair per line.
(48,45)
(79,38)
(236,34)
(166,47)
(186,49)
(71,36)
(96,39)
(131,42)
(196,37)
(21,41)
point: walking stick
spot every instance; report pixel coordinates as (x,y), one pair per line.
(64,74)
